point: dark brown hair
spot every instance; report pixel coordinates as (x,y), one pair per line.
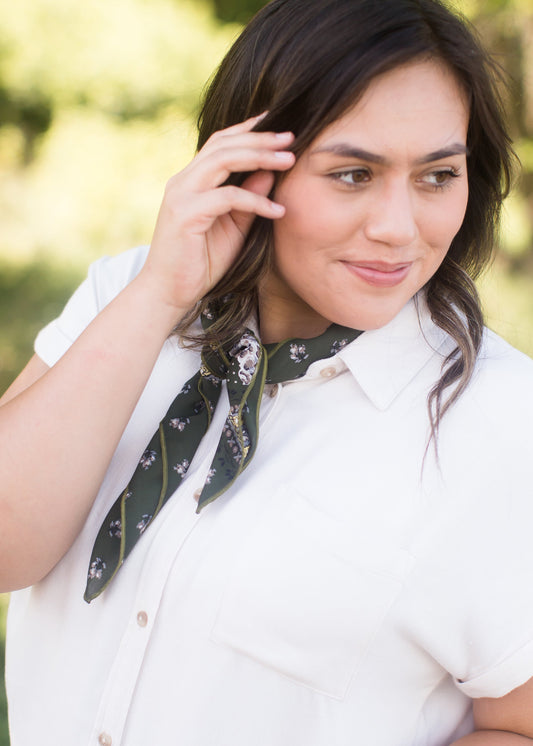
(307,62)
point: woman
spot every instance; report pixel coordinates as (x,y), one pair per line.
(347,558)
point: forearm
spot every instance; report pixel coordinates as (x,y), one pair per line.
(58,436)
(493,738)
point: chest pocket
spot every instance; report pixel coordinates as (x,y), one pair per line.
(306,596)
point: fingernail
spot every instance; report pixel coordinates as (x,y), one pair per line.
(285,155)
(261,116)
(284,135)
(277,207)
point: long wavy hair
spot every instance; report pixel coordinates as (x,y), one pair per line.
(307,62)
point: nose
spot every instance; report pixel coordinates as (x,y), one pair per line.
(391,217)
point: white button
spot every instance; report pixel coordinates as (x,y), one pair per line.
(328,372)
(197,494)
(104,739)
(274,390)
(142,621)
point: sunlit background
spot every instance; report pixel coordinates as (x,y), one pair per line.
(98,101)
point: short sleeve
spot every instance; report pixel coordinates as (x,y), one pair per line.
(105,279)
(469,601)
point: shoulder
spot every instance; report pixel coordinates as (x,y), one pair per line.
(105,279)
(503,371)
(497,406)
(110,274)
(496,351)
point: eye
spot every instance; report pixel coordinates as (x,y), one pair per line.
(353,177)
(440,179)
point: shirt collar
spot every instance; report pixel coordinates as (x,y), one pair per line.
(384,361)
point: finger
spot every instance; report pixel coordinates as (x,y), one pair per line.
(213,169)
(203,210)
(267,140)
(261,183)
(236,129)
(270,141)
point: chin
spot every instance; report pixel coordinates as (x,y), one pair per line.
(367,320)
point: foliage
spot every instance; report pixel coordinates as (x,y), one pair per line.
(118,85)
(507,296)
(127,58)
(30,295)
(241,11)
(507,29)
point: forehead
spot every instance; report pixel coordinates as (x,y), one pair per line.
(420,106)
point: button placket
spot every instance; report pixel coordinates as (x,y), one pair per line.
(168,535)
(118,692)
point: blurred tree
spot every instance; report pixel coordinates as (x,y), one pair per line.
(30,113)
(97,108)
(237,11)
(129,59)
(507,29)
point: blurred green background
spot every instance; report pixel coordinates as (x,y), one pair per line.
(97,108)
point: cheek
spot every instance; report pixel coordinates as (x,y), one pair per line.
(313,222)
(296,234)
(438,227)
(312,211)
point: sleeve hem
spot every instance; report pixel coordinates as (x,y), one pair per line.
(510,673)
(106,278)
(51,344)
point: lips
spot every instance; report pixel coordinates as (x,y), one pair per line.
(380,274)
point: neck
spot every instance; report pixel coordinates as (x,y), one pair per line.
(284,317)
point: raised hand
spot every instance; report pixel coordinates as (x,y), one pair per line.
(202,223)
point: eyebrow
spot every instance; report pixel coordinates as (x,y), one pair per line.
(348,151)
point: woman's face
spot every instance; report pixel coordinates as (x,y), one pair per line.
(371,207)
